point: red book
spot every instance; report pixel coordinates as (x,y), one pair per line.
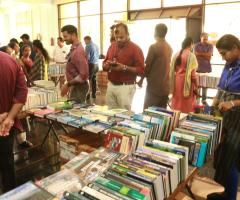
(113,141)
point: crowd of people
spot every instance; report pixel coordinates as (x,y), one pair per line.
(165,74)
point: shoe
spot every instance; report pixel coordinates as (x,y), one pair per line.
(216,196)
(26,144)
(88,96)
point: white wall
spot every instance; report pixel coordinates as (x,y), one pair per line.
(34,19)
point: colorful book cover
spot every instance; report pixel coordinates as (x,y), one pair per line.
(64,105)
(80,122)
(113,141)
(96,127)
(42,113)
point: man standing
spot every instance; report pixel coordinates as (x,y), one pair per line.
(60,52)
(92,53)
(13,92)
(77,67)
(26,41)
(157,69)
(124,61)
(203,51)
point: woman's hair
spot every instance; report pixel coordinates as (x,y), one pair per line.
(38,44)
(228,42)
(187,42)
(25,46)
(4,49)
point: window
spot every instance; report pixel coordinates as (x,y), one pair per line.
(68,10)
(172,3)
(147,27)
(142,4)
(220,1)
(89,7)
(90,25)
(110,6)
(229,23)
(108,21)
(69,21)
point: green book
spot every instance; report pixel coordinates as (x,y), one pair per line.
(120,188)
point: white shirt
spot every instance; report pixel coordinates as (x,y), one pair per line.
(60,54)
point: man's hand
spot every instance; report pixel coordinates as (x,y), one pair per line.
(3,116)
(107,65)
(118,67)
(6,126)
(224,106)
(64,90)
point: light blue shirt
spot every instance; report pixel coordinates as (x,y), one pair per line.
(92,53)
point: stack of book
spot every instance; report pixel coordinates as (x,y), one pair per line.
(164,121)
(60,105)
(56,69)
(103,110)
(40,97)
(89,166)
(44,84)
(61,181)
(152,172)
(201,134)
(124,139)
(208,80)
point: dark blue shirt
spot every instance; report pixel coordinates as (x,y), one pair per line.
(230,78)
(92,53)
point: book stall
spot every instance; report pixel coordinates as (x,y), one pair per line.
(143,156)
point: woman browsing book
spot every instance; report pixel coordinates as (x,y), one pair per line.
(227,100)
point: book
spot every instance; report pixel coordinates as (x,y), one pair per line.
(79,122)
(62,105)
(120,188)
(126,115)
(42,113)
(96,127)
(64,180)
(28,191)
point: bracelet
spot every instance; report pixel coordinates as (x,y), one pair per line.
(125,68)
(232,103)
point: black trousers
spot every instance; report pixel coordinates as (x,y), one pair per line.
(93,69)
(7,162)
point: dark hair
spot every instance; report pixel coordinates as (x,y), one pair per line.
(25,36)
(87,37)
(203,33)
(188,41)
(14,40)
(38,44)
(160,30)
(70,29)
(228,42)
(60,39)
(4,49)
(12,44)
(124,26)
(25,46)
(113,27)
